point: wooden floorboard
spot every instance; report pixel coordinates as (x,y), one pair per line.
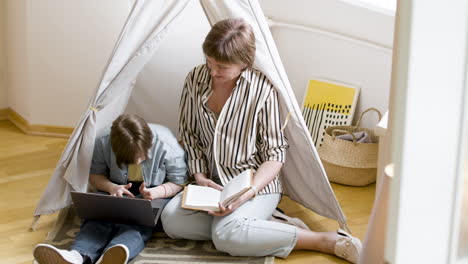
(27,162)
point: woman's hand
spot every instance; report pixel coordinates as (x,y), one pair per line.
(234,205)
(148,193)
(202,180)
(120,190)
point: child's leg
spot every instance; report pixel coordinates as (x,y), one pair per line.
(134,237)
(92,238)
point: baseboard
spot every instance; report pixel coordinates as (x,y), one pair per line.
(4,114)
(36,130)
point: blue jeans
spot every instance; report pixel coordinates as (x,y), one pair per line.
(97,236)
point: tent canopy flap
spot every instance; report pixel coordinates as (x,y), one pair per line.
(303,176)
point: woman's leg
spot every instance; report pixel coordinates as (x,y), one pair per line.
(187,224)
(318,241)
(247,232)
(338,243)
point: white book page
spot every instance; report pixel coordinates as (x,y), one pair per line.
(202,196)
(239,183)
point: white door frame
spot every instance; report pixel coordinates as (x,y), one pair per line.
(427,110)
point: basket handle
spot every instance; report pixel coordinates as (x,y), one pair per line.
(343,132)
(358,123)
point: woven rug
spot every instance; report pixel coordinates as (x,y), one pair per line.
(160,248)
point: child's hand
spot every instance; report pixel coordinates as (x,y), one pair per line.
(120,190)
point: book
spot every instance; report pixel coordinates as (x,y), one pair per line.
(207,199)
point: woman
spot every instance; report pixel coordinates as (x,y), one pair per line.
(229,122)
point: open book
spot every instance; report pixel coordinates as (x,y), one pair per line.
(206,198)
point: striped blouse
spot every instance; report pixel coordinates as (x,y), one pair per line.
(246,133)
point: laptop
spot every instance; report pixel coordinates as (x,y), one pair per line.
(127,210)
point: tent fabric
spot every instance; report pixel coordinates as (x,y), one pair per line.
(303,176)
(144,29)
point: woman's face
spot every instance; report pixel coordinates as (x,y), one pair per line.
(223,72)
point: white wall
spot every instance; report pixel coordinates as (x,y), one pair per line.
(157,92)
(307,54)
(3,64)
(59,48)
(18,67)
(57,51)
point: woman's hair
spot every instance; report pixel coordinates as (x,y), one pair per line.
(131,138)
(231,41)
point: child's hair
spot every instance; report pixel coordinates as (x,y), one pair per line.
(231,41)
(131,138)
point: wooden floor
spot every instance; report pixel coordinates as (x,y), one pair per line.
(26,163)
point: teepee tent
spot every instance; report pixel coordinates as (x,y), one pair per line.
(304,179)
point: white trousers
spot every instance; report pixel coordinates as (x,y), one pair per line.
(244,232)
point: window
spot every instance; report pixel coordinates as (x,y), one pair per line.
(385,6)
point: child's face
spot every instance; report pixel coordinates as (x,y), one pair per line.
(140,159)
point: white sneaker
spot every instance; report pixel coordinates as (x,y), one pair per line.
(117,254)
(48,254)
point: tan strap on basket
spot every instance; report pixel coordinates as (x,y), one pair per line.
(358,123)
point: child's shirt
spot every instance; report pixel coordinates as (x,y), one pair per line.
(165,163)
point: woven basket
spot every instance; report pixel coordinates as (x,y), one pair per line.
(349,162)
